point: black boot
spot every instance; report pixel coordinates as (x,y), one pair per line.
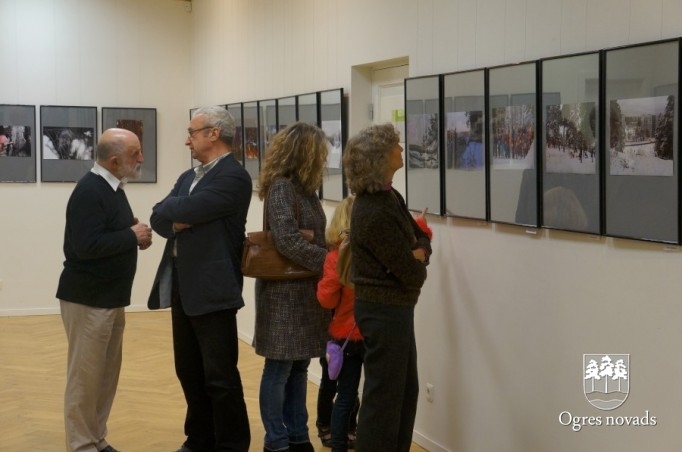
(301,447)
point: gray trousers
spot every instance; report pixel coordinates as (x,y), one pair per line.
(95,338)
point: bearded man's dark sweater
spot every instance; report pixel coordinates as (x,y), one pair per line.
(99,246)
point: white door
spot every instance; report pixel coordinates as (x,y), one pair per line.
(388,98)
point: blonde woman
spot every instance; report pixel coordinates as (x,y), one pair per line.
(291,326)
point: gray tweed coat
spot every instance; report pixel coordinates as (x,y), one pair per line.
(290,323)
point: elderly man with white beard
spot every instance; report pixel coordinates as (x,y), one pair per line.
(101,240)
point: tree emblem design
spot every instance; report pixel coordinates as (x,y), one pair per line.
(606,380)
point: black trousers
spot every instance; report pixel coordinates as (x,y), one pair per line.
(389,398)
(206,351)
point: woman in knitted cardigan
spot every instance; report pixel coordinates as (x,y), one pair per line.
(390,253)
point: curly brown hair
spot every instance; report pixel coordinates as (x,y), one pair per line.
(297,153)
(365,158)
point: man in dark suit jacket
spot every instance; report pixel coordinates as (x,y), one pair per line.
(204,219)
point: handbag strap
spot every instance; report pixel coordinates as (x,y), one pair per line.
(348,337)
(265,208)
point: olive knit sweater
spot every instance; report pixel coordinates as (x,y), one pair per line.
(383,235)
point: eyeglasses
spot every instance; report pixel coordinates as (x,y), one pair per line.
(191,132)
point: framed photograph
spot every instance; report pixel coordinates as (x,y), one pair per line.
(17,143)
(267,111)
(238,141)
(571,198)
(68,138)
(641,168)
(422,143)
(193,162)
(251,139)
(306,108)
(286,112)
(333,122)
(513,180)
(464,141)
(142,122)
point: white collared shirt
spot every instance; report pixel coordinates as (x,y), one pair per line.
(112,180)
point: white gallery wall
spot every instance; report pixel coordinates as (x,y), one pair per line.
(103,53)
(506,313)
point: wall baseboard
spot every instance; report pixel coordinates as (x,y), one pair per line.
(55,310)
(427,444)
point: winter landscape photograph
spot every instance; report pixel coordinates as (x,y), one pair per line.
(513,130)
(570,142)
(640,136)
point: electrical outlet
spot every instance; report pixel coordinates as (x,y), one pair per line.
(429,392)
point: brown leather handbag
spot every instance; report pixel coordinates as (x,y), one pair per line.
(261,259)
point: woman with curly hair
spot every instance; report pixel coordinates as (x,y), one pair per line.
(389,256)
(291,326)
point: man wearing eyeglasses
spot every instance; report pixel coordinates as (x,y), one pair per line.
(199,278)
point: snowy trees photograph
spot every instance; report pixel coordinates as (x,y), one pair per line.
(641,136)
(571,143)
(513,130)
(332,129)
(422,140)
(464,140)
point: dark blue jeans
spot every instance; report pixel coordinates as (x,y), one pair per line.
(206,351)
(282,398)
(347,394)
(389,399)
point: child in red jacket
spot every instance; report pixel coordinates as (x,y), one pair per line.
(334,295)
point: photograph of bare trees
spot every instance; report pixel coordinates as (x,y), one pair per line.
(641,136)
(571,142)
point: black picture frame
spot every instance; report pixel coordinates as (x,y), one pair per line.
(142,122)
(17,146)
(192,161)
(512,144)
(286,112)
(252,152)
(571,148)
(333,123)
(267,122)
(641,140)
(237,112)
(307,108)
(464,144)
(423,153)
(67,144)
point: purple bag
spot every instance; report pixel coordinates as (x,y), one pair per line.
(334,356)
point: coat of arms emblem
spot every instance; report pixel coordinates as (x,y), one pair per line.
(606,380)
